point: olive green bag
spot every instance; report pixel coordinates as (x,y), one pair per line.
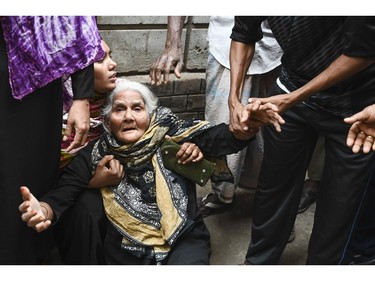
(198,172)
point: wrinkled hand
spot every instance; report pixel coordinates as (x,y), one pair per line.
(32,212)
(108,172)
(362,132)
(256,114)
(170,58)
(189,152)
(78,123)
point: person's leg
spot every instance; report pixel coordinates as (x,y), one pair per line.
(314,173)
(316,165)
(191,248)
(261,85)
(80,231)
(216,112)
(286,157)
(342,185)
(362,245)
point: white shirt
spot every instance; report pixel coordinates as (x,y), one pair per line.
(267,51)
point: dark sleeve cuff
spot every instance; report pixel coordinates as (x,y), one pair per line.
(83,83)
(247,30)
(72,181)
(359,34)
(219,141)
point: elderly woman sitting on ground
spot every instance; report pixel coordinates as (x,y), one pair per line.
(151,209)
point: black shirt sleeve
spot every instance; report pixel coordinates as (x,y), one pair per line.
(73,180)
(359,36)
(83,83)
(218,141)
(247,29)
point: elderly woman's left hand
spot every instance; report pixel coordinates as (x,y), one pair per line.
(189,152)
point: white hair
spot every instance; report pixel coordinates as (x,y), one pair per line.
(149,98)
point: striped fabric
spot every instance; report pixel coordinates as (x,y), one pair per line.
(311,44)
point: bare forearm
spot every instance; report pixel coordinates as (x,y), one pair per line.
(342,68)
(240,59)
(175,26)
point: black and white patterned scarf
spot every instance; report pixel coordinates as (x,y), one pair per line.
(148,207)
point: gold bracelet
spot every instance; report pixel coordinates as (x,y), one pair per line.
(47,211)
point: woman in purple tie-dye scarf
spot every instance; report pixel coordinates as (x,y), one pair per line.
(35,52)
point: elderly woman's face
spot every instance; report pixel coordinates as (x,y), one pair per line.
(129,119)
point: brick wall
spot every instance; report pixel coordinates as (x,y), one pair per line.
(136,41)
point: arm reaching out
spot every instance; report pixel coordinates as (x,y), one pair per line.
(241,56)
(339,70)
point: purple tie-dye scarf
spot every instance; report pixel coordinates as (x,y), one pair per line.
(41,49)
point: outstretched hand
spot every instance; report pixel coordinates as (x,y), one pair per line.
(31,211)
(362,132)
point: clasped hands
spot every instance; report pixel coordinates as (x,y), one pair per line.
(262,111)
(246,120)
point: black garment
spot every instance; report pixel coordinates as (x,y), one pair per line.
(287,155)
(341,188)
(30,130)
(310,44)
(192,247)
(81,230)
(362,245)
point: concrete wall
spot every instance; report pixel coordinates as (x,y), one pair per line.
(136,41)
